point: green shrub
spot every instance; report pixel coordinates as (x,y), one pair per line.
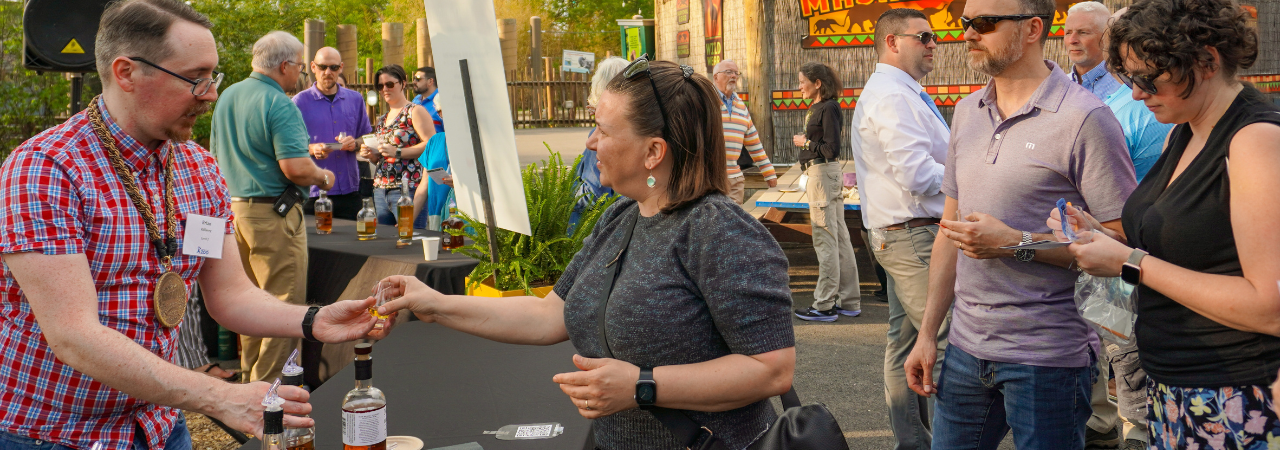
(525,262)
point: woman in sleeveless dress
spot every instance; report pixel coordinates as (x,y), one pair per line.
(404,132)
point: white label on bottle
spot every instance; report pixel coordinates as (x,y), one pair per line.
(360,226)
(364,428)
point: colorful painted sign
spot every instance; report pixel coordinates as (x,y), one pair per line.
(682,44)
(943,95)
(682,12)
(852,23)
(712,22)
(1267,84)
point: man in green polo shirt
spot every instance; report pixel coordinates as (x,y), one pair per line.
(260,142)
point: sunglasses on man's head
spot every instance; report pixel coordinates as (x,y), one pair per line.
(1147,83)
(387,85)
(329,67)
(924,37)
(987,24)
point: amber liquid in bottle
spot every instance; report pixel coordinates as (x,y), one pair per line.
(367,221)
(309,445)
(324,213)
(450,242)
(405,224)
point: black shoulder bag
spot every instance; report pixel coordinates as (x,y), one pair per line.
(798,428)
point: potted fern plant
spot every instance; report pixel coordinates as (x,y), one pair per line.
(530,265)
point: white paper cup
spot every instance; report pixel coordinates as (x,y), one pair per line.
(431,248)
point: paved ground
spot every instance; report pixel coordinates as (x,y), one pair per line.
(570,142)
(840,364)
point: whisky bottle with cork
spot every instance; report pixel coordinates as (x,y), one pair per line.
(364,409)
(297,438)
(452,242)
(404,214)
(273,437)
(367,221)
(324,213)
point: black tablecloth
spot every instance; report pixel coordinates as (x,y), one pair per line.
(336,258)
(447,387)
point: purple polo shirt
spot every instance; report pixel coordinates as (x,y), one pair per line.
(325,119)
(1064,143)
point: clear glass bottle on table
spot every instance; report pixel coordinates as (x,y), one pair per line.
(273,437)
(404,214)
(364,409)
(297,438)
(367,221)
(324,213)
(448,241)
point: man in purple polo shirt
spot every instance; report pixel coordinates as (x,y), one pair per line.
(1020,356)
(330,110)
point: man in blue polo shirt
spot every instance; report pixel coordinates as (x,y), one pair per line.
(330,110)
(424,83)
(260,142)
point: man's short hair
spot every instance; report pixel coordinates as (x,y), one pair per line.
(138,28)
(894,21)
(1091,7)
(428,72)
(274,49)
(1040,8)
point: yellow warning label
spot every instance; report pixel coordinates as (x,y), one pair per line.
(73,47)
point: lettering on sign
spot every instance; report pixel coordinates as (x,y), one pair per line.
(852,23)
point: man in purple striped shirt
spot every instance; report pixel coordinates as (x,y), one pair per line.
(1020,356)
(329,109)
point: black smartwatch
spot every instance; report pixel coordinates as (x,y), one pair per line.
(646,389)
(308,321)
(1131,271)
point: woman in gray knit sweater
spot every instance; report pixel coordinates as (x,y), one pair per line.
(700,300)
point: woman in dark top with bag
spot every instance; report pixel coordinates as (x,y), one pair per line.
(837,292)
(700,298)
(1208,307)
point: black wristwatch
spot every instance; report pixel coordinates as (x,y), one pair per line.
(1131,271)
(308,321)
(1026,254)
(646,389)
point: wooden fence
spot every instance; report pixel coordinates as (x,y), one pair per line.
(557,102)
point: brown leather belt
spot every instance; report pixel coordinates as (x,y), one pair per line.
(255,199)
(913,223)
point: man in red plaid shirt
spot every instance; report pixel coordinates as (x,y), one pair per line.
(84,351)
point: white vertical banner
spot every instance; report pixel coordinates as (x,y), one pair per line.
(465,29)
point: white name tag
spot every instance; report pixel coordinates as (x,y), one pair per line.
(203,236)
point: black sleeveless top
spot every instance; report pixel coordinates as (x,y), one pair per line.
(1189,225)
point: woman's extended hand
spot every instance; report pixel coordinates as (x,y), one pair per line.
(603,387)
(411,294)
(1099,255)
(799,140)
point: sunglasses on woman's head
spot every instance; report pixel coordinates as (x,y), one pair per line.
(987,24)
(387,85)
(1144,82)
(641,65)
(924,37)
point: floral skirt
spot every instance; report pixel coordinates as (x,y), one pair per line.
(1236,418)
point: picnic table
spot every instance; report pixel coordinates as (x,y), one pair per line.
(786,214)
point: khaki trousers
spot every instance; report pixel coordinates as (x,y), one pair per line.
(837,270)
(273,250)
(738,189)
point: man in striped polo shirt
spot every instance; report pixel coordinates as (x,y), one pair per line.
(739,132)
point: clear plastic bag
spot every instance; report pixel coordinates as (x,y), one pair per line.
(1109,305)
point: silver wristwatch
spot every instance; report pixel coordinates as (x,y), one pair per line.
(1025,254)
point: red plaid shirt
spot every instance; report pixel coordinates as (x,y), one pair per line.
(59,195)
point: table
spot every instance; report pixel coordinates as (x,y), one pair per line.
(447,387)
(785,214)
(341,267)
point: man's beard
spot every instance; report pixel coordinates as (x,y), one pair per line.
(731,87)
(181,133)
(995,61)
(419,91)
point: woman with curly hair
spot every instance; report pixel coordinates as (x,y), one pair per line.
(1200,227)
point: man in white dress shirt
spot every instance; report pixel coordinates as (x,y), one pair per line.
(899,143)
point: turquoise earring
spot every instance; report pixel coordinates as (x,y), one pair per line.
(650,181)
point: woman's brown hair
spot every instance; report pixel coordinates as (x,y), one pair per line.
(1171,36)
(830,88)
(693,132)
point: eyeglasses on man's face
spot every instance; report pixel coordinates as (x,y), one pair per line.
(987,24)
(199,86)
(924,37)
(731,72)
(329,67)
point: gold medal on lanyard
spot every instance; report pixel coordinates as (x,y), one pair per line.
(170,297)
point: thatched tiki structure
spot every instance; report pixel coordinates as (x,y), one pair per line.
(771,39)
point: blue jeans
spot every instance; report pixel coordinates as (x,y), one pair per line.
(979,401)
(179,439)
(384,201)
